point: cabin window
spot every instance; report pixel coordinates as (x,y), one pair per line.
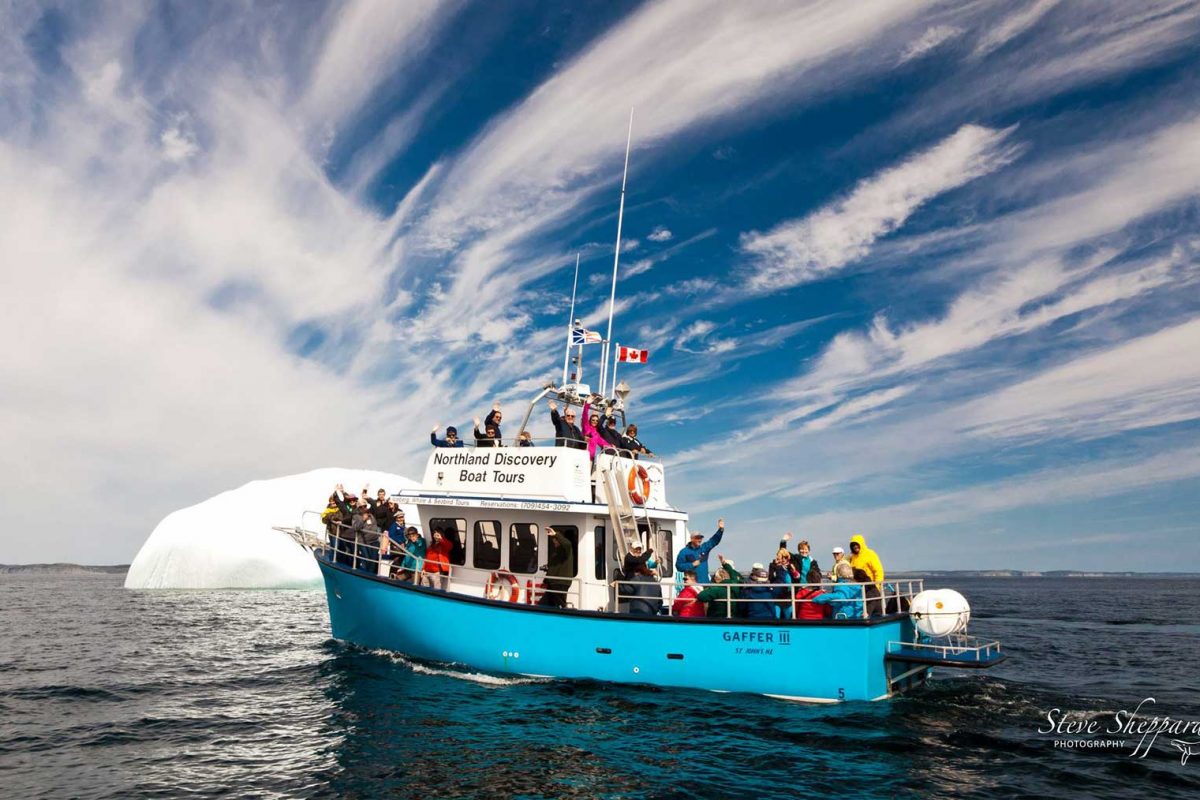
(454,530)
(523,547)
(662,553)
(601,549)
(571,533)
(487,545)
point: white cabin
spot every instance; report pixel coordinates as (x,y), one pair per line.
(501,499)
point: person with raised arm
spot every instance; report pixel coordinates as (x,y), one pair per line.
(490,436)
(719,599)
(451,439)
(493,418)
(694,555)
(591,432)
(566,432)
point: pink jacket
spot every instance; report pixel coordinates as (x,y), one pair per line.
(594,440)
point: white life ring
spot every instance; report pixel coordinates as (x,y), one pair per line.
(496,584)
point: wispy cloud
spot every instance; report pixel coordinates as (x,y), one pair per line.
(932,38)
(1012,26)
(808,249)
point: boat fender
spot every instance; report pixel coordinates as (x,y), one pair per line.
(940,612)
(639,484)
(500,583)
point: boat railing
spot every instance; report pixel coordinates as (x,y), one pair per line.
(340,545)
(552,441)
(867,599)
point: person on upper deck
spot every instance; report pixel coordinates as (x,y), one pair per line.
(490,436)
(717,599)
(687,602)
(694,555)
(866,559)
(591,431)
(806,607)
(451,439)
(642,591)
(609,432)
(632,443)
(760,599)
(493,418)
(567,433)
(525,439)
(845,596)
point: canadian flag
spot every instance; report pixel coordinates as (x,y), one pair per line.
(628,354)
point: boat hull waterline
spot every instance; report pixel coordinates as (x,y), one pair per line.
(817,662)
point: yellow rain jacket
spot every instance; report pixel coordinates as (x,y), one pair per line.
(866,560)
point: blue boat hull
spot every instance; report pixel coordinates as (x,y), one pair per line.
(824,661)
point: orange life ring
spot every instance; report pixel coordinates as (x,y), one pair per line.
(639,484)
(494,590)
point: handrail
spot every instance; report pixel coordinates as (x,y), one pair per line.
(900,589)
(552,441)
(389,547)
(873,598)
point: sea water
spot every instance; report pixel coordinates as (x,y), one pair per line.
(108,692)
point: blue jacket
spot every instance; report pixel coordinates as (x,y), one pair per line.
(761,600)
(691,553)
(436,442)
(846,599)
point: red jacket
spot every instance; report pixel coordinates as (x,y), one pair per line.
(806,609)
(437,557)
(683,608)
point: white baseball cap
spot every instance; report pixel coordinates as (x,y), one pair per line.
(839,550)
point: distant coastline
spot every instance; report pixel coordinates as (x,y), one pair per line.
(62,569)
(121,569)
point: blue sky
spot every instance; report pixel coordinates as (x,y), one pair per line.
(922,271)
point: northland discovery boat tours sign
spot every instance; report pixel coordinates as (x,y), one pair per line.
(558,473)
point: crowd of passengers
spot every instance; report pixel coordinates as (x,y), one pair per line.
(792,586)
(362,529)
(599,432)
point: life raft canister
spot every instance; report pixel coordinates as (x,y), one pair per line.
(498,583)
(639,484)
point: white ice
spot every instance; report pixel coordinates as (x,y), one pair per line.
(226,542)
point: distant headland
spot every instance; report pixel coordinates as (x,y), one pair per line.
(62,569)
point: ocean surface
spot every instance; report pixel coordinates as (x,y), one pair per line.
(111,693)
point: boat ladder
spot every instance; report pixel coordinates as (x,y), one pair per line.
(620,510)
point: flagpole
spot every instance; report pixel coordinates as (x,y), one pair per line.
(612,298)
(616,356)
(570,322)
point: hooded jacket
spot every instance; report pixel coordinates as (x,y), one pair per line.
(760,600)
(687,603)
(691,552)
(567,433)
(594,440)
(414,553)
(716,598)
(866,560)
(845,599)
(437,557)
(806,605)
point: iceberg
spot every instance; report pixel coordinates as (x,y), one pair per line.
(226,542)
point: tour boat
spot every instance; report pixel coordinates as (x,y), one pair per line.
(499,503)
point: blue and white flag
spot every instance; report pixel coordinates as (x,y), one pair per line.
(582,336)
